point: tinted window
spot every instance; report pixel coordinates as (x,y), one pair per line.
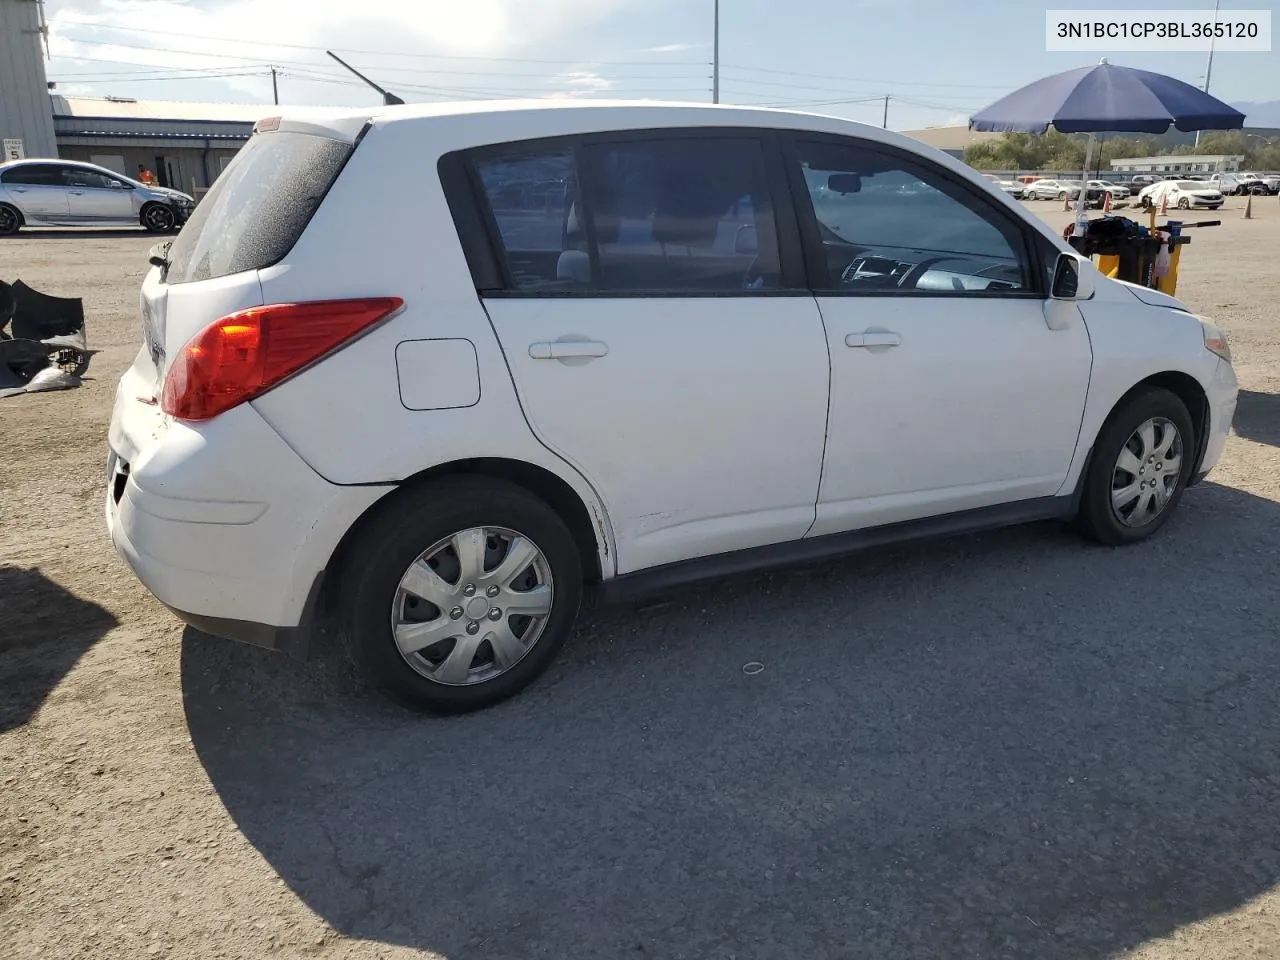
(652,216)
(258,207)
(79,177)
(529,197)
(887,224)
(41,174)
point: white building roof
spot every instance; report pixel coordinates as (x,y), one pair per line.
(125,108)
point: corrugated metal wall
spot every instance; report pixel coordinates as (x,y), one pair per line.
(25,111)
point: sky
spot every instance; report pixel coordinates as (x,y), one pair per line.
(938,61)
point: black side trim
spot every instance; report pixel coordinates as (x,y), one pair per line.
(294,641)
(631,585)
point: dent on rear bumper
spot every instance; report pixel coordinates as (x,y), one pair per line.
(224,523)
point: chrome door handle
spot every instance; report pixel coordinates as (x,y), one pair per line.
(873,338)
(567,350)
(18,189)
(76,193)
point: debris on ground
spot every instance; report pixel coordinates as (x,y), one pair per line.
(46,348)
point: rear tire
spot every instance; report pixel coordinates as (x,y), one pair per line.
(10,220)
(430,570)
(1127,493)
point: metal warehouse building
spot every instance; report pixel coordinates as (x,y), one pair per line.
(186,145)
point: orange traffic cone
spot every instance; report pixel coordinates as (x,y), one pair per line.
(1248,208)
(1164,205)
(1106,203)
(1066,202)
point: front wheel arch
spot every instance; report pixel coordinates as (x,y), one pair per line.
(1182,385)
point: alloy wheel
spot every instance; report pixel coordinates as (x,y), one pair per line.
(1147,472)
(472,605)
(159,218)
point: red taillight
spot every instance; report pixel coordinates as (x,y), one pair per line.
(247,353)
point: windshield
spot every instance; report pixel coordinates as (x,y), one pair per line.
(259,206)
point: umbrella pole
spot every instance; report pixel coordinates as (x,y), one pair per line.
(1082,217)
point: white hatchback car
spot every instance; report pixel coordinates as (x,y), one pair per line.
(438,369)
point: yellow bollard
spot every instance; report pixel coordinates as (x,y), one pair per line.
(1109,264)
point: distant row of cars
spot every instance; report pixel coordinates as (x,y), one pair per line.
(1183,192)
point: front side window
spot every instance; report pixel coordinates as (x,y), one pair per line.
(888,224)
(654,216)
(79,177)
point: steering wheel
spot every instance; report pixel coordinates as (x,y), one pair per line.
(909,279)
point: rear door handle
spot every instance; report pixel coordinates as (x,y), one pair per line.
(567,349)
(873,338)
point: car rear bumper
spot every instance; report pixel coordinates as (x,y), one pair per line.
(222,521)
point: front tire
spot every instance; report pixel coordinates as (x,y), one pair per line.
(1184,204)
(1140,467)
(459,595)
(158,218)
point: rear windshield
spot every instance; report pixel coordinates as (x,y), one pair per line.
(258,207)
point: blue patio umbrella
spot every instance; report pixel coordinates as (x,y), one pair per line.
(1104,98)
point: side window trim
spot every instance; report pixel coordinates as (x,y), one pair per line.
(481,241)
(815,258)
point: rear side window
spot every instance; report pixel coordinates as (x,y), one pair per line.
(259,206)
(659,215)
(40,174)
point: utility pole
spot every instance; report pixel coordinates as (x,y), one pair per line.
(1208,70)
(885,124)
(275,90)
(715,56)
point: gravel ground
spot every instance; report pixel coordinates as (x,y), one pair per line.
(1010,745)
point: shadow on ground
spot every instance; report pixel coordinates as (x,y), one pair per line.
(1011,745)
(1258,417)
(44,630)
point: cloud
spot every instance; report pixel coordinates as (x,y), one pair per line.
(475,28)
(579,83)
(674,48)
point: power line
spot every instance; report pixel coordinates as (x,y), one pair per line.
(881,81)
(376,53)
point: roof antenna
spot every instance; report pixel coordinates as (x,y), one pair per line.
(388,98)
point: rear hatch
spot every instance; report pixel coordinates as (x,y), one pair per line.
(250,219)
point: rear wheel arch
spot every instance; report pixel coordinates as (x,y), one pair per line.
(551,489)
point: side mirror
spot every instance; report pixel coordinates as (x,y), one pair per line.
(844,183)
(1073,279)
(744,241)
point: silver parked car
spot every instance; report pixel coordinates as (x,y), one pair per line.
(62,193)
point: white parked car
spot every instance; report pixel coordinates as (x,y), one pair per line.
(1118,191)
(416,393)
(1053,190)
(1011,187)
(61,193)
(1182,194)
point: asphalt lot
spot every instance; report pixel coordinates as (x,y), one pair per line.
(1015,745)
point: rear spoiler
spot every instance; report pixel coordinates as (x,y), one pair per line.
(345,127)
